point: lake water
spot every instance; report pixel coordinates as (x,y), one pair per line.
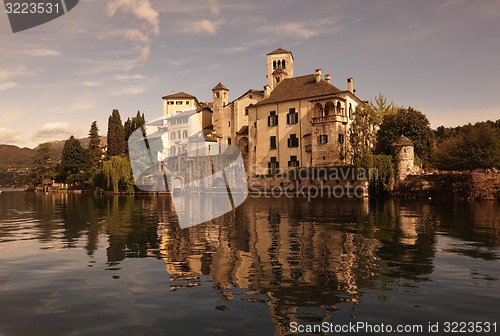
(73,264)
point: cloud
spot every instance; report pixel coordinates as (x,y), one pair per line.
(129,78)
(8,136)
(7,76)
(303,29)
(133,90)
(42,52)
(6,85)
(202,27)
(142,9)
(91,84)
(214,7)
(53,130)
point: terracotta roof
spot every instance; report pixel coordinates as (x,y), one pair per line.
(279,70)
(299,88)
(181,95)
(220,86)
(257,92)
(280,51)
(402,141)
(205,105)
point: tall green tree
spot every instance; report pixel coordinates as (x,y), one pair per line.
(381,107)
(362,133)
(476,147)
(410,123)
(94,150)
(74,162)
(131,125)
(116,134)
(43,164)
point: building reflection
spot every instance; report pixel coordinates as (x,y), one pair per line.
(297,256)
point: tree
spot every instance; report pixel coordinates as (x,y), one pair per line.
(362,132)
(117,174)
(43,164)
(410,123)
(74,162)
(131,125)
(116,134)
(477,146)
(382,108)
(94,150)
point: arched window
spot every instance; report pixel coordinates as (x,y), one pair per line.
(279,63)
(339,108)
(329,107)
(274,65)
(350,111)
(283,64)
(318,110)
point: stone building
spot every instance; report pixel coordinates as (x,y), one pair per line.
(404,157)
(302,121)
(294,122)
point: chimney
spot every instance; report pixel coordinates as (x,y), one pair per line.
(318,75)
(328,78)
(267,91)
(350,85)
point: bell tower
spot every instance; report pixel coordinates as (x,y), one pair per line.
(279,66)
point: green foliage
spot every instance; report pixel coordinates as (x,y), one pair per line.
(474,147)
(116,135)
(131,125)
(117,174)
(382,108)
(94,154)
(381,173)
(410,123)
(43,165)
(362,132)
(74,162)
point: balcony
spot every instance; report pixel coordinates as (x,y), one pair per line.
(330,118)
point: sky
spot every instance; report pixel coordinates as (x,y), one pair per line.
(439,56)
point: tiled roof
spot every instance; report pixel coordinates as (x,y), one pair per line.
(279,70)
(402,141)
(220,86)
(180,95)
(299,88)
(257,92)
(279,51)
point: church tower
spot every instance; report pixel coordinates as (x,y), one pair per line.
(279,66)
(219,118)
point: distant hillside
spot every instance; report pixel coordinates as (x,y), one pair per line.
(15,157)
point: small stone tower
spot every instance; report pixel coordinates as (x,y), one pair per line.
(220,99)
(279,58)
(404,157)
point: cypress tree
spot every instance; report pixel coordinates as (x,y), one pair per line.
(116,134)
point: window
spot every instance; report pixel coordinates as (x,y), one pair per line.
(217,94)
(178,134)
(293,141)
(170,102)
(185,119)
(187,102)
(173,121)
(246,111)
(273,165)
(292,117)
(228,141)
(173,151)
(341,138)
(228,124)
(184,134)
(274,65)
(293,161)
(272,120)
(350,111)
(178,103)
(283,64)
(323,139)
(272,142)
(172,135)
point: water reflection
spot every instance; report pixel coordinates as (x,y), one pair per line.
(305,262)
